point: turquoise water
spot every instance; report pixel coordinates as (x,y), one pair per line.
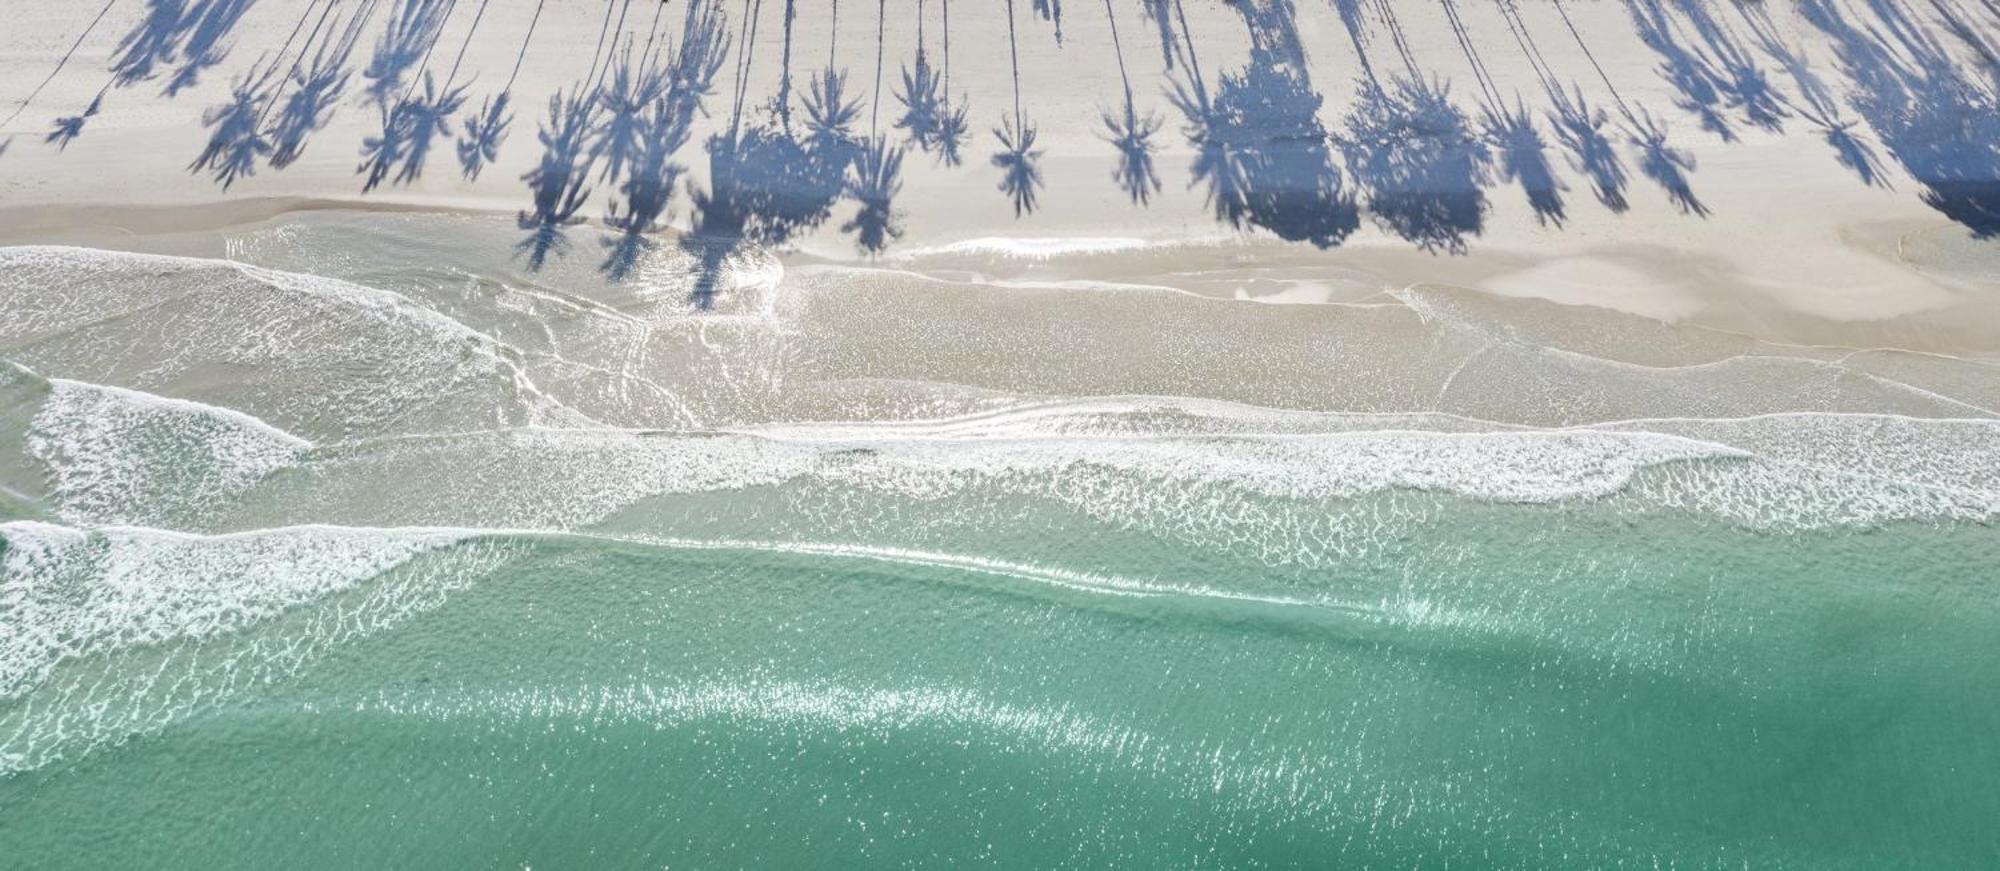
(1540,688)
(409,590)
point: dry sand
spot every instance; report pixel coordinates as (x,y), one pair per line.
(1793,248)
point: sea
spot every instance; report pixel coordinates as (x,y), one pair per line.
(351,542)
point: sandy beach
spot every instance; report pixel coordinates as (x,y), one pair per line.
(1788,244)
(1017,433)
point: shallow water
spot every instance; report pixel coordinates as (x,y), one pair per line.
(412,559)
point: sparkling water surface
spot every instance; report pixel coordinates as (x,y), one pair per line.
(400,560)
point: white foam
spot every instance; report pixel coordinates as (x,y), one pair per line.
(117,456)
(67,592)
(316,355)
(114,632)
(73,262)
(1034,247)
(1801,470)
(1304,455)
(1164,463)
(1102,455)
(1500,467)
(1099,462)
(1402,611)
(1162,416)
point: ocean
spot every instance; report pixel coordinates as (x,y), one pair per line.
(348,544)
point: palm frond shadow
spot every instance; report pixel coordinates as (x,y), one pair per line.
(1019,163)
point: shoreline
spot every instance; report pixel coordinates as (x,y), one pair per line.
(1769,235)
(1646,281)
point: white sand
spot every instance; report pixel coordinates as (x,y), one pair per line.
(1795,248)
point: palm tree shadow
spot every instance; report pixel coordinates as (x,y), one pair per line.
(1744,84)
(69,127)
(1217,158)
(151,43)
(1160,12)
(1697,86)
(922,97)
(720,221)
(409,122)
(381,152)
(664,97)
(1851,147)
(873,182)
(1522,152)
(190,37)
(559,182)
(203,44)
(648,189)
(1939,123)
(1522,158)
(487,129)
(413,28)
(1019,163)
(484,132)
(237,139)
(1415,154)
(1664,164)
(1581,130)
(766,183)
(767,187)
(634,86)
(1051,11)
(1018,159)
(61,62)
(1132,134)
(954,127)
(425,119)
(1260,149)
(830,115)
(319,85)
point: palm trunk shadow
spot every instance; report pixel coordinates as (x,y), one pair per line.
(1131,133)
(1018,159)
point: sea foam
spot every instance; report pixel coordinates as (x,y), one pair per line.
(70,592)
(111,632)
(314,355)
(117,456)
